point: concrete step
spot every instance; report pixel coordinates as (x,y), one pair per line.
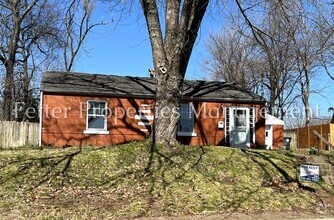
(326,166)
(323,166)
(324,172)
(329,179)
(316,159)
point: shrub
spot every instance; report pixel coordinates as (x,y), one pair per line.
(312,151)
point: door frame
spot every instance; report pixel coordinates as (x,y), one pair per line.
(269,136)
(233,131)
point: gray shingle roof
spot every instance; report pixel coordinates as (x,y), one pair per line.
(126,86)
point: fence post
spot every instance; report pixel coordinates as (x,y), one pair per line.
(308,137)
(322,136)
(297,138)
(27,133)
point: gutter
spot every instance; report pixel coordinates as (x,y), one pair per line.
(40,118)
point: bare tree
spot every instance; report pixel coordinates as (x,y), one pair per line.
(29,35)
(234,58)
(32,33)
(313,40)
(171,52)
(78,23)
(13,14)
(265,54)
(296,41)
(38,43)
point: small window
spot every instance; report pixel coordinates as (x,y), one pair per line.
(186,123)
(96,122)
(268,128)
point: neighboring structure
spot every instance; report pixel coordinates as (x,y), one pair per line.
(102,110)
(316,136)
(274,132)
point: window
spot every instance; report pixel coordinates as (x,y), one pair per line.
(186,123)
(268,128)
(96,122)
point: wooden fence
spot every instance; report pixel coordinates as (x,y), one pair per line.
(305,138)
(15,134)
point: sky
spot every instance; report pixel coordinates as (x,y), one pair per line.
(124,49)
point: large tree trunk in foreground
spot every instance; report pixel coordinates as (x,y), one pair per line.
(168,95)
(171,54)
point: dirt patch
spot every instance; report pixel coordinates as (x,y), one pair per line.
(252,216)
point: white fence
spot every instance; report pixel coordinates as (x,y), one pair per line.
(15,134)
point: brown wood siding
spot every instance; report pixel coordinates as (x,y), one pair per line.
(332,134)
(67,128)
(306,138)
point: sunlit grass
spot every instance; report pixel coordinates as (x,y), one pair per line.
(131,180)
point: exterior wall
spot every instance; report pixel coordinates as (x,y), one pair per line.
(64,121)
(206,124)
(278,135)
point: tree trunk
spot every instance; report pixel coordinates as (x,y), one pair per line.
(168,95)
(305,97)
(171,53)
(26,83)
(272,98)
(8,91)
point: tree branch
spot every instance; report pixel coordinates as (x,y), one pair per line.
(153,24)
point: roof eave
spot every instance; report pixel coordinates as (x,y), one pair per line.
(145,96)
(231,100)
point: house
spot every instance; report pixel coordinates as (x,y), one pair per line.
(91,109)
(274,132)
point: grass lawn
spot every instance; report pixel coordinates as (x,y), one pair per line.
(131,180)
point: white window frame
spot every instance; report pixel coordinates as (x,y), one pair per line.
(97,130)
(191,113)
(254,118)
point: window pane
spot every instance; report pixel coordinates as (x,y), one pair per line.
(96,122)
(96,108)
(186,126)
(186,123)
(240,118)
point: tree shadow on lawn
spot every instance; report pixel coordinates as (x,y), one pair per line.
(277,162)
(53,166)
(151,174)
(167,167)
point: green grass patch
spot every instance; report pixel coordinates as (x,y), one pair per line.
(134,180)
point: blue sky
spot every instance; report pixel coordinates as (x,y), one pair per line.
(125,50)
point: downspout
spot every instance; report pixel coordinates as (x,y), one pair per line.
(40,118)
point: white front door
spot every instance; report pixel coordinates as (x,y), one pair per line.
(240,134)
(269,136)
